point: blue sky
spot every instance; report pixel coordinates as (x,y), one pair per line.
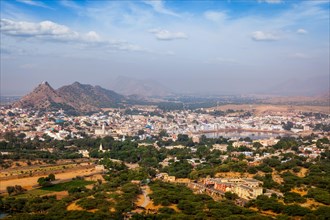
(222,47)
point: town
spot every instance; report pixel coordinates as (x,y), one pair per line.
(235,155)
(164,110)
(146,121)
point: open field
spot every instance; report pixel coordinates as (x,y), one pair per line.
(261,109)
(29,182)
(67,185)
(57,189)
(40,192)
(23,169)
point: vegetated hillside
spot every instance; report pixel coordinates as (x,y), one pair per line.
(144,88)
(42,97)
(89,98)
(78,97)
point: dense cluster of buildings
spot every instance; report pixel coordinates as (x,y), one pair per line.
(151,121)
(117,123)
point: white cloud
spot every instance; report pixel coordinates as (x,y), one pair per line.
(264,36)
(302,31)
(271,1)
(162,34)
(34,3)
(50,31)
(158,6)
(44,29)
(215,16)
(92,36)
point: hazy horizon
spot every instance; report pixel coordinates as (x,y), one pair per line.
(203,47)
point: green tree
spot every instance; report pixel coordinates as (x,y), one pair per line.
(231,196)
(51,177)
(140,132)
(10,189)
(163,133)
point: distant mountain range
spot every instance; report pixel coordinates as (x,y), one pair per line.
(87,98)
(313,86)
(78,97)
(143,88)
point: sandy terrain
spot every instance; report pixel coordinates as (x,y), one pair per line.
(312,204)
(268,213)
(73,207)
(143,199)
(95,177)
(302,172)
(277,178)
(299,191)
(29,182)
(132,166)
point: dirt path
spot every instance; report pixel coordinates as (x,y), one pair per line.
(144,199)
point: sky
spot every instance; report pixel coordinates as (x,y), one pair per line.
(201,47)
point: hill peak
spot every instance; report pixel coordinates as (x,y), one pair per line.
(76,83)
(42,97)
(44,87)
(81,97)
(44,84)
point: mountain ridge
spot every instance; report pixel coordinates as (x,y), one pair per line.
(77,96)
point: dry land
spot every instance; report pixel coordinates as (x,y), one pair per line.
(273,109)
(30,182)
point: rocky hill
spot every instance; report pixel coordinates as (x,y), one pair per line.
(89,98)
(79,97)
(42,97)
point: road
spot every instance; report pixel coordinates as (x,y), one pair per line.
(146,199)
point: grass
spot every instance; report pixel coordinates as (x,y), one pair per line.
(65,186)
(32,193)
(55,188)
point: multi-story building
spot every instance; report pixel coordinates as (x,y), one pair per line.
(245,188)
